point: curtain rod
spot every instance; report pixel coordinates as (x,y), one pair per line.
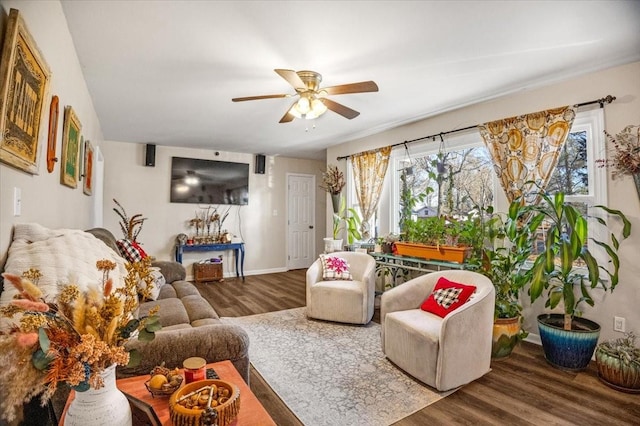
(606,100)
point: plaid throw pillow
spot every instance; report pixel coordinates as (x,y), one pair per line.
(131,250)
(446,297)
(335,268)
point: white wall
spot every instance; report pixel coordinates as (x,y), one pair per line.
(44,199)
(145,190)
(622,82)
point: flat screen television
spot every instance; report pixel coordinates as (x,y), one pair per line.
(209,182)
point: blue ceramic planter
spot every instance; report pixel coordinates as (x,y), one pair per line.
(564,349)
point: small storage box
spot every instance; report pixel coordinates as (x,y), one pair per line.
(205,271)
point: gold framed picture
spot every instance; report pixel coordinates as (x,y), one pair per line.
(24,85)
(87,185)
(70,148)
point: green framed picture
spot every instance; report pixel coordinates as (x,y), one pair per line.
(70,148)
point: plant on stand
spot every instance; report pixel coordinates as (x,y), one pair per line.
(569,341)
(333,182)
(346,219)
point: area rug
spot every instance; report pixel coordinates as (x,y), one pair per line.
(331,374)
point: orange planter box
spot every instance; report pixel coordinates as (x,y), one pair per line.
(444,253)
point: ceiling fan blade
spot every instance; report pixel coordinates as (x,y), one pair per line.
(363,86)
(340,109)
(292,78)
(255,98)
(288,117)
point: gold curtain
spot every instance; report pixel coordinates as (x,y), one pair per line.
(369,169)
(525,149)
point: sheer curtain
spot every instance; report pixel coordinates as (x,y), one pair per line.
(525,149)
(369,169)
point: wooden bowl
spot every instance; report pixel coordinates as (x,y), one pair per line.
(183,414)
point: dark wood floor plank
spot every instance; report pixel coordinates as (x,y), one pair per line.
(520,390)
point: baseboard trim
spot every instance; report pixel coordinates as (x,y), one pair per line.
(533,338)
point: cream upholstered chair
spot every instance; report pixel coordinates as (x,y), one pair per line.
(444,352)
(348,301)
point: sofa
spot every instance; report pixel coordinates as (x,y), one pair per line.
(190,325)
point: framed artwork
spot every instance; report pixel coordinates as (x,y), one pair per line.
(24,84)
(87,186)
(53,134)
(81,157)
(70,148)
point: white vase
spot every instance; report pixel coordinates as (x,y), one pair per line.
(106,406)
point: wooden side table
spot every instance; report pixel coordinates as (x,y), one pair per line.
(252,413)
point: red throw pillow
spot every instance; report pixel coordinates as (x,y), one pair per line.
(446,297)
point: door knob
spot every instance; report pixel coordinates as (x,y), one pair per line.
(310,226)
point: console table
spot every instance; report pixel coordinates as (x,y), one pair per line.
(395,264)
(238,252)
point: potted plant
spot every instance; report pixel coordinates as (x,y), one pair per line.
(508,246)
(435,238)
(618,363)
(345,219)
(333,182)
(568,340)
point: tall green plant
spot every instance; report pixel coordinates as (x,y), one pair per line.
(506,250)
(348,219)
(566,241)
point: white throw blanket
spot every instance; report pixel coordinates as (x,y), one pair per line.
(63,256)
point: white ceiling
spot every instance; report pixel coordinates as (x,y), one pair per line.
(164,72)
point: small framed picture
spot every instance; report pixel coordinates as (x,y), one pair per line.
(87,183)
(142,413)
(70,148)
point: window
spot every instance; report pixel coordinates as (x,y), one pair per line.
(577,175)
(468,179)
(449,178)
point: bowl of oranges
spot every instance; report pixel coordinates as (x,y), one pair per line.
(163,381)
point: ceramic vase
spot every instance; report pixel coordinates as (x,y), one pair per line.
(335,202)
(106,406)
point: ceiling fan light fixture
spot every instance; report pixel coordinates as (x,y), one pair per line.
(307,108)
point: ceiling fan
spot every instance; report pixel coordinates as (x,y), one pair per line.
(312,101)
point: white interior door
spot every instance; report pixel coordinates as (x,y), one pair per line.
(301,220)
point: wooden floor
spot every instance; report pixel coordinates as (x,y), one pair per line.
(521,390)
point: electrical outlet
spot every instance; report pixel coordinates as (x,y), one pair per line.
(618,324)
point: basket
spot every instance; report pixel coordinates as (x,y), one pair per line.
(166,389)
(227,411)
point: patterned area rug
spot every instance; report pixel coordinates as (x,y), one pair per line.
(329,373)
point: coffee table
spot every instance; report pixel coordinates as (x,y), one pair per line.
(252,413)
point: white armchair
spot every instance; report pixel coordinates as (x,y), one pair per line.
(444,352)
(342,300)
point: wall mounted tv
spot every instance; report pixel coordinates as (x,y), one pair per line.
(209,182)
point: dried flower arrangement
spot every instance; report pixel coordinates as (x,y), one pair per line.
(333,180)
(130,227)
(625,152)
(72,339)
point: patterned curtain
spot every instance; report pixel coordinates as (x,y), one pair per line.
(525,149)
(369,169)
